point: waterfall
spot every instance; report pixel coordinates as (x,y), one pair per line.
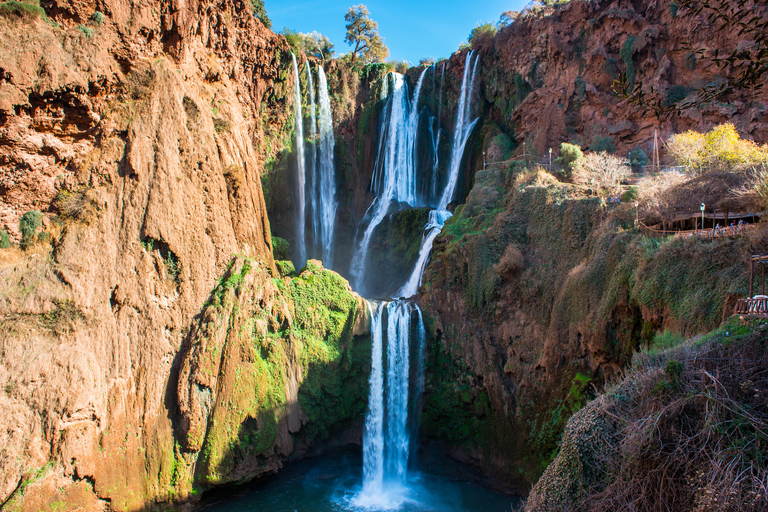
(437,218)
(435,223)
(300,171)
(326,184)
(462,130)
(373,443)
(435,133)
(312,154)
(386,443)
(394,175)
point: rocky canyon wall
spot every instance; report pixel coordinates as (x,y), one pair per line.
(140,131)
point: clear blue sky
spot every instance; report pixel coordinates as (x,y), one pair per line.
(412,29)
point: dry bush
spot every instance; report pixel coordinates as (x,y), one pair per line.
(81,205)
(538,177)
(511,262)
(664,194)
(694,434)
(602,172)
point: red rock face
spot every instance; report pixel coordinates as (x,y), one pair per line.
(571,58)
(143,134)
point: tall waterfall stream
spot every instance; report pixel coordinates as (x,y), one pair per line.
(385,478)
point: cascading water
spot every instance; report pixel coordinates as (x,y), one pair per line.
(386,444)
(312,152)
(394,175)
(325,214)
(435,223)
(434,132)
(301,252)
(462,130)
(437,218)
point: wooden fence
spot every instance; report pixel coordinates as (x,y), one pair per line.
(701,233)
(757,305)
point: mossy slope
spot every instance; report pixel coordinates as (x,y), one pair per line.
(271,364)
(537,330)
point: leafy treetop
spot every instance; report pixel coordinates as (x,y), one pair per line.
(363,35)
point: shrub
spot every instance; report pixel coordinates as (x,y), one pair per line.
(482,34)
(28,224)
(5,239)
(87,32)
(720,149)
(24,10)
(81,205)
(600,171)
(626,55)
(637,158)
(602,144)
(280,248)
(569,155)
(98,18)
(511,262)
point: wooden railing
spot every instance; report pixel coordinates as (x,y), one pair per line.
(757,305)
(701,233)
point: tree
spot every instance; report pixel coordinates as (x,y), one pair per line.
(600,172)
(260,12)
(720,149)
(743,68)
(363,34)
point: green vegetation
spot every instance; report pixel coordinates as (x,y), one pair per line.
(482,34)
(98,18)
(637,158)
(260,12)
(28,225)
(600,144)
(626,55)
(569,155)
(86,31)
(280,248)
(25,9)
(276,330)
(5,239)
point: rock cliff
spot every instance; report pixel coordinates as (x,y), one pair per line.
(140,132)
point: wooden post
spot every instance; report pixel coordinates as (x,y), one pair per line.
(763,286)
(751,275)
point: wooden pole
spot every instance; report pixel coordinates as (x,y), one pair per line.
(751,276)
(763,267)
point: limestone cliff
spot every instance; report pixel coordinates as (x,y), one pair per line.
(140,131)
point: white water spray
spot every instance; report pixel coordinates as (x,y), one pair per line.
(312,154)
(386,444)
(394,178)
(327,179)
(462,130)
(300,170)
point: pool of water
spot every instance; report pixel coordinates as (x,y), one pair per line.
(334,484)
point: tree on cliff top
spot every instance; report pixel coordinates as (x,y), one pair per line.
(363,34)
(260,12)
